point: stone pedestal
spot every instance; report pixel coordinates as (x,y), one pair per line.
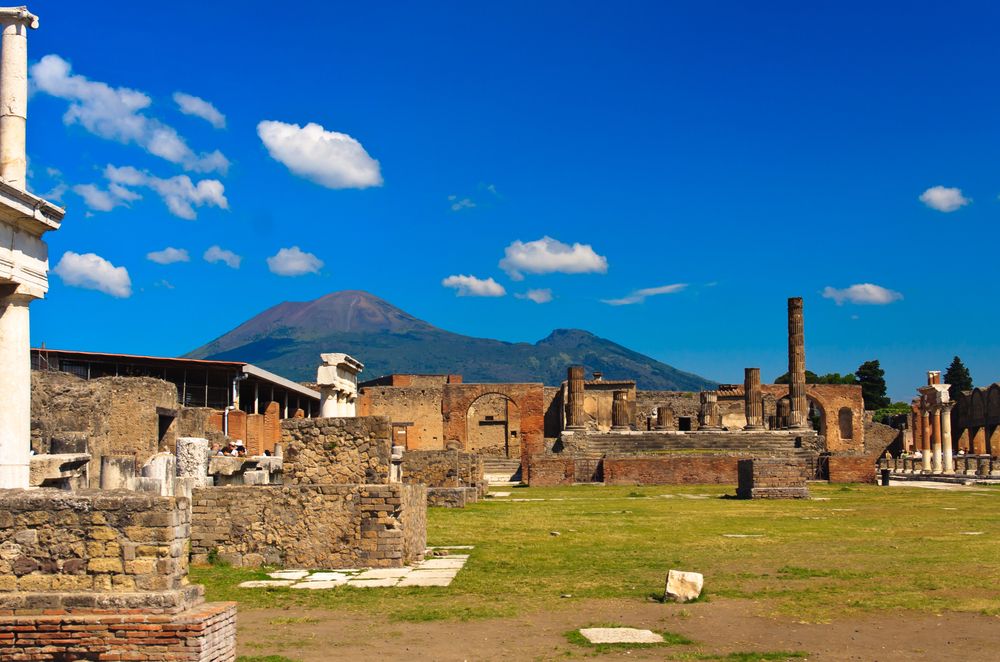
(619,411)
(752,403)
(574,398)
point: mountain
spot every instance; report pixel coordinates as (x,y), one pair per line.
(288,339)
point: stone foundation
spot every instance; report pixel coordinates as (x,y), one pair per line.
(444,469)
(671,469)
(451,497)
(311,526)
(772,478)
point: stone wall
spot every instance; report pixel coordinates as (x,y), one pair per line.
(443,469)
(118,414)
(63,550)
(332,451)
(310,526)
(551,470)
(772,478)
(879,437)
(671,469)
(415,412)
(451,497)
(682,403)
(851,468)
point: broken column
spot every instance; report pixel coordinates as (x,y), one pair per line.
(664,417)
(781,410)
(24,264)
(619,411)
(574,398)
(752,402)
(337,378)
(798,417)
(192,460)
(947,451)
(709,417)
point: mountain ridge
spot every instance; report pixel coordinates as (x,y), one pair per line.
(288,337)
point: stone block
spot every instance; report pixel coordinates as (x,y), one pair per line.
(683,586)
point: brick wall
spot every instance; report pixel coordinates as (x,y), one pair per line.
(331,451)
(310,526)
(670,469)
(416,411)
(851,468)
(550,470)
(206,633)
(772,478)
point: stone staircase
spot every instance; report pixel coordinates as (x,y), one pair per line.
(502,471)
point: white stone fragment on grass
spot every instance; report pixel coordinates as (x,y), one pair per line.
(288,574)
(424,579)
(441,564)
(742,535)
(621,636)
(316,586)
(498,494)
(327,577)
(264,583)
(684,586)
(972,533)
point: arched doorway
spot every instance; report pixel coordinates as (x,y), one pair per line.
(493,423)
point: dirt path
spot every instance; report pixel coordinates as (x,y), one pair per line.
(719,626)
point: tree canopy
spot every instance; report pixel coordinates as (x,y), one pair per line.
(959,377)
(871,376)
(829,378)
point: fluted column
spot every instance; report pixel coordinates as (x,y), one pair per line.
(798,417)
(574,398)
(752,402)
(781,410)
(709,414)
(664,417)
(936,439)
(947,449)
(619,411)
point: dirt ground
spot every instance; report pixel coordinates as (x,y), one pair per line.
(719,626)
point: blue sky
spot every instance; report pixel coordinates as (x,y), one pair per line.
(715,156)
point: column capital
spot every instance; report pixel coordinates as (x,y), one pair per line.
(18,16)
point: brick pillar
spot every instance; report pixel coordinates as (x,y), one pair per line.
(936,440)
(798,417)
(752,402)
(574,398)
(619,411)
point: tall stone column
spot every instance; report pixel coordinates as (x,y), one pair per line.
(752,402)
(574,398)
(947,449)
(799,415)
(15,22)
(936,439)
(15,394)
(709,416)
(925,415)
(619,411)
(917,426)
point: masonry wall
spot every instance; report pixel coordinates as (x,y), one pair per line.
(415,412)
(118,414)
(443,469)
(682,403)
(851,468)
(310,526)
(330,451)
(551,470)
(772,478)
(671,469)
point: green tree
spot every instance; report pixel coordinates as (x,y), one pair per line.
(871,376)
(959,378)
(829,378)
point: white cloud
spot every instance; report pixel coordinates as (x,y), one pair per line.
(192,105)
(116,113)
(546,255)
(538,296)
(169,255)
(294,262)
(96,198)
(93,272)
(470,286)
(217,254)
(179,193)
(459,205)
(638,296)
(331,159)
(862,293)
(943,198)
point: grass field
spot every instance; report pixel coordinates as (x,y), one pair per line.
(851,549)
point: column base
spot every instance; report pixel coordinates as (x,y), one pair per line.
(753,428)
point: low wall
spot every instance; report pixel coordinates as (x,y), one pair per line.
(772,478)
(671,469)
(310,526)
(451,497)
(444,469)
(551,470)
(851,468)
(336,451)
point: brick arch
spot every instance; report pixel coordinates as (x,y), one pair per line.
(977,407)
(528,398)
(992,413)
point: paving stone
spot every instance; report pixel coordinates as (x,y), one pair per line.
(972,533)
(288,574)
(433,573)
(621,636)
(384,573)
(327,577)
(264,583)
(421,579)
(374,583)
(441,563)
(453,547)
(316,586)
(498,495)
